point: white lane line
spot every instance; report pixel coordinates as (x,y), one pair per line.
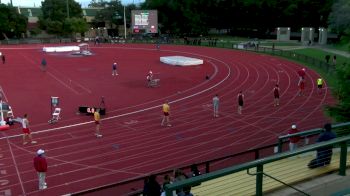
(15,165)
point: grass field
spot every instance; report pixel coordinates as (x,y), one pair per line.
(320,54)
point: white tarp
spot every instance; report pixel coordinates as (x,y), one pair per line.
(180,60)
(61,49)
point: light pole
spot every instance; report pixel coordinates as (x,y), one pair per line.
(124,25)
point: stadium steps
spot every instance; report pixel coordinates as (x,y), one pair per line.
(291,171)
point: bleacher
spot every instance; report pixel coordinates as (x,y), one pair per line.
(267,174)
(289,170)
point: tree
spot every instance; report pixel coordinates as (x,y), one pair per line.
(12,24)
(339,18)
(56,19)
(97,3)
(112,14)
(341,111)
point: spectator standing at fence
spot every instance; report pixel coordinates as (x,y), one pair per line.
(97,40)
(216,101)
(301,85)
(293,141)
(114,69)
(40,165)
(276,94)
(26,131)
(43,64)
(240,99)
(319,85)
(3,58)
(327,57)
(97,118)
(166,114)
(334,60)
(152,187)
(324,155)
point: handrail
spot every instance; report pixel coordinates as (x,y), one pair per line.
(260,162)
(315,131)
(280,181)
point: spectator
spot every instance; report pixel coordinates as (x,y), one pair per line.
(195,172)
(179,175)
(293,141)
(334,60)
(327,57)
(167,180)
(152,187)
(324,155)
(40,166)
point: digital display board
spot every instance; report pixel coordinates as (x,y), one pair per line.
(144,21)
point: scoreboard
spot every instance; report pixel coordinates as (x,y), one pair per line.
(144,21)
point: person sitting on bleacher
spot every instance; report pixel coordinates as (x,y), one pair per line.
(324,155)
(151,186)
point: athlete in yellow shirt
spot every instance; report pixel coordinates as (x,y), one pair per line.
(319,85)
(97,119)
(166,110)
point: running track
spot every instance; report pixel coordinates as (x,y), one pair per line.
(134,144)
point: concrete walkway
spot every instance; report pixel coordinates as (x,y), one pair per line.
(337,52)
(333,51)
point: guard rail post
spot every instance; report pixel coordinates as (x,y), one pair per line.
(343,157)
(259,179)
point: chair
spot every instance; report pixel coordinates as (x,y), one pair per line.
(55,115)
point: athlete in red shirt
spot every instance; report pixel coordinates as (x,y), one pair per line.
(276,94)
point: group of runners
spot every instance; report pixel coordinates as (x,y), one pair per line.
(276,93)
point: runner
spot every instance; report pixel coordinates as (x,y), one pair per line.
(240,98)
(114,69)
(26,131)
(166,113)
(97,119)
(216,101)
(276,93)
(319,85)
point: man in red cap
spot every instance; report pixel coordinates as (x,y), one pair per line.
(40,166)
(293,141)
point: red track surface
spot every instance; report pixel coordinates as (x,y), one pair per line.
(134,143)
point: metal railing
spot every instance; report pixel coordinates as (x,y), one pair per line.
(259,166)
